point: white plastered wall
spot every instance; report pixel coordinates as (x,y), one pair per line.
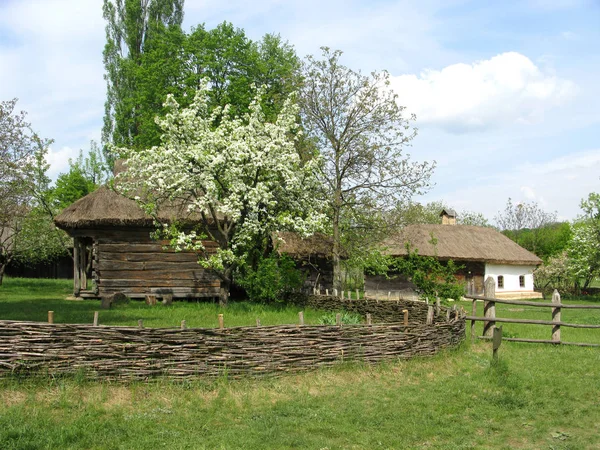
(511,276)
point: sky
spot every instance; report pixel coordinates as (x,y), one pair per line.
(506,93)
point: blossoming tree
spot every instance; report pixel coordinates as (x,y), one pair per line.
(240,177)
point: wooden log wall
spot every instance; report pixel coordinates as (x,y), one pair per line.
(132,263)
(132,353)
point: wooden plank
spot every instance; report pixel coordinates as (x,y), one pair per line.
(126,247)
(148,265)
(527,303)
(532,322)
(544,341)
(158,283)
(150,256)
(199,274)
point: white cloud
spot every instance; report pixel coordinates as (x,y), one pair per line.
(563,181)
(59,160)
(508,88)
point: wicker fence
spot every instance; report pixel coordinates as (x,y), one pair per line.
(130,353)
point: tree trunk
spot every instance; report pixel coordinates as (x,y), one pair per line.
(337,267)
(224,292)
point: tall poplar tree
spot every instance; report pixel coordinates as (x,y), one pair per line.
(133,27)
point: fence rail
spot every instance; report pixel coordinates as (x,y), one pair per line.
(489,319)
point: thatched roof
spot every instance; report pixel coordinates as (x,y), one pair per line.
(105,207)
(459,243)
(318,245)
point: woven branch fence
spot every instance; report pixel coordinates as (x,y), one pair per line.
(130,353)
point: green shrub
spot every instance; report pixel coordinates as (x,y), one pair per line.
(273,278)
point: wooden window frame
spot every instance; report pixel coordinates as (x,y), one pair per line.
(522,281)
(500,281)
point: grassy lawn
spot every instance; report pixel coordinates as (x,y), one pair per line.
(537,396)
(30,299)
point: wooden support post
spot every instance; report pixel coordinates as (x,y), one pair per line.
(342,294)
(496,342)
(95,318)
(430,315)
(82,265)
(327,292)
(76,271)
(489,306)
(369,322)
(50,316)
(405,313)
(474,314)
(357,295)
(338,319)
(447,315)
(183,325)
(257,322)
(221,322)
(437,306)
(556,316)
(349,294)
(335,292)
(301,318)
(140,323)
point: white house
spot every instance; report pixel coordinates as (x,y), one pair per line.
(482,251)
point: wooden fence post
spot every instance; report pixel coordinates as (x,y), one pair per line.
(140,323)
(556,317)
(301,318)
(221,322)
(338,319)
(258,322)
(183,325)
(437,306)
(50,316)
(357,295)
(95,318)
(327,292)
(369,322)
(489,307)
(430,315)
(405,313)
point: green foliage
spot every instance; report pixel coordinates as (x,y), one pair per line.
(346,318)
(431,277)
(273,277)
(148,56)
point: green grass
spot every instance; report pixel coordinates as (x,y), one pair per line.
(536,396)
(31,299)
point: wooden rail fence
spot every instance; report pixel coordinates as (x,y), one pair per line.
(490,319)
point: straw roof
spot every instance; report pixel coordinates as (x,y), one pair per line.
(459,243)
(105,207)
(319,245)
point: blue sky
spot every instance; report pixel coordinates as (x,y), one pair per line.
(506,93)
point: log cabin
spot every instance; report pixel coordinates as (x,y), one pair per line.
(115,253)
